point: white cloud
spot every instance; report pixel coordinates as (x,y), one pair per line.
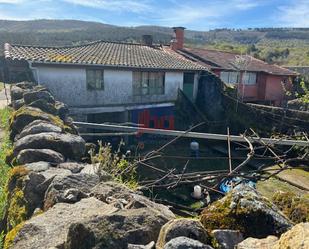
(295,14)
(246,4)
(114,5)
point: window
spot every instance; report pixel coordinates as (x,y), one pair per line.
(95,79)
(249,78)
(230,77)
(148,83)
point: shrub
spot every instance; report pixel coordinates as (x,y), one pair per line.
(115,163)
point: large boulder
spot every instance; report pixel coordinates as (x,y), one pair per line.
(296,238)
(25,115)
(32,96)
(90,223)
(52,172)
(55,223)
(39,126)
(62,110)
(189,228)
(110,189)
(244,209)
(44,105)
(69,145)
(226,239)
(74,167)
(185,243)
(38,166)
(16,93)
(36,155)
(17,104)
(47,171)
(151,245)
(70,188)
(122,197)
(26,85)
(267,242)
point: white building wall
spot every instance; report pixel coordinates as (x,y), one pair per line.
(69,85)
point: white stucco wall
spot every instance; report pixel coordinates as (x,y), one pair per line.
(69,85)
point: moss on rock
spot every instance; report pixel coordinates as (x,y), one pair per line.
(25,115)
(9,238)
(17,204)
(293,206)
(244,210)
(17,209)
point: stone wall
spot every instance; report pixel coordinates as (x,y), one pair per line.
(264,119)
(222,108)
(54,193)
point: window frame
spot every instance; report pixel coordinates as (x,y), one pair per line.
(145,84)
(230,76)
(248,81)
(90,86)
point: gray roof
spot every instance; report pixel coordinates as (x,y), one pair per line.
(111,54)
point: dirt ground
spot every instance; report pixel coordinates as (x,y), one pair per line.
(3,100)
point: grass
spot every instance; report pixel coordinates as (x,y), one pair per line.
(1,86)
(269,187)
(5,145)
(299,177)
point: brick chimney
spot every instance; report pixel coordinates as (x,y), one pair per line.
(178,38)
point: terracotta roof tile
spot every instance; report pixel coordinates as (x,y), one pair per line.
(115,54)
(226,60)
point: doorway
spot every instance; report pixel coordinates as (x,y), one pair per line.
(188,85)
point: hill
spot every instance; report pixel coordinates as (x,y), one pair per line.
(288,46)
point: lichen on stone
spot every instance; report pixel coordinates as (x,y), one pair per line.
(17,204)
(9,238)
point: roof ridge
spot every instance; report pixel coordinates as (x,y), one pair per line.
(76,46)
(216,50)
(179,56)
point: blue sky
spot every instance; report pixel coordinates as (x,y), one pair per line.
(193,14)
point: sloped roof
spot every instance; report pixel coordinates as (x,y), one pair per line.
(215,59)
(103,53)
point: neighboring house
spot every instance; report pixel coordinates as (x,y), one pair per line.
(303,71)
(256,80)
(112,81)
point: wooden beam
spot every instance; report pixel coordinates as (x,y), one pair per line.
(191,134)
